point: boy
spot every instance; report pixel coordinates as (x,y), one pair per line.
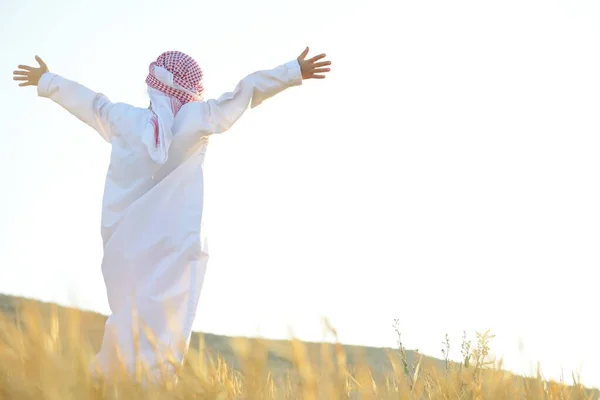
(155,255)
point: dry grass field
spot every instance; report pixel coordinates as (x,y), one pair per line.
(45,351)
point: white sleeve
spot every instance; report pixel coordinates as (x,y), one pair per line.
(217,116)
(90,107)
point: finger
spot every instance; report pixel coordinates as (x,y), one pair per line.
(25,84)
(20,78)
(320,70)
(26,67)
(317,58)
(318,76)
(322,64)
(20,72)
(41,62)
(304,54)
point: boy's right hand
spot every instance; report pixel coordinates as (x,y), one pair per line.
(311,68)
(30,75)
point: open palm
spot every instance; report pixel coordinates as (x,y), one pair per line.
(313,68)
(30,76)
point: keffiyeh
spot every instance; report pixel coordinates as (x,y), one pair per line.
(173,80)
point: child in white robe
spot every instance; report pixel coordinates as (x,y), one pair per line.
(155,256)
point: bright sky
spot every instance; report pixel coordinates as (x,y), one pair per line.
(446,173)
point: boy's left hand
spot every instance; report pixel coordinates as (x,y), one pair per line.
(30,75)
(313,68)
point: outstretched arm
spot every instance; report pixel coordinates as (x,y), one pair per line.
(90,107)
(217,116)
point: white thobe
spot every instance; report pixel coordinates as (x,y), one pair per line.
(155,255)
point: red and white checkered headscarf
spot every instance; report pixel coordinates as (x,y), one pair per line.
(186,76)
(174,79)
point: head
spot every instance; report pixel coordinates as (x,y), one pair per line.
(177,75)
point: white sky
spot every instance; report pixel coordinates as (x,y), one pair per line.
(446,173)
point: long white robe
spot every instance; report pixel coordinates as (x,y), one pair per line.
(155,255)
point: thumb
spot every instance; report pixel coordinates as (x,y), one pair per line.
(304,54)
(41,62)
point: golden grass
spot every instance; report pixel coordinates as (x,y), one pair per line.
(46,356)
